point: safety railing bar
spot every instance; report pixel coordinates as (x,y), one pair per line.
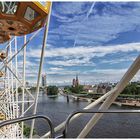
(91,111)
(17,120)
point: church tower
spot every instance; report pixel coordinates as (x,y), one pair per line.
(73,82)
(77,80)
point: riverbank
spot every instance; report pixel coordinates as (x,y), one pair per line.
(131,103)
(124,102)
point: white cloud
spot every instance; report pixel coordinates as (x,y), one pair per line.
(91,77)
(56,69)
(115,61)
(109,71)
(82,55)
(72,62)
(66,8)
(95,51)
(103,27)
(60,71)
(80,51)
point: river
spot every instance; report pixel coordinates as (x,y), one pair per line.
(110,126)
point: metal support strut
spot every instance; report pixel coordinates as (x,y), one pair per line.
(40,69)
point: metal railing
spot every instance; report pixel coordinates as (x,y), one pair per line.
(21,119)
(65,131)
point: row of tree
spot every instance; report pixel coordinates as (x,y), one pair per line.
(51,90)
(132,88)
(78,89)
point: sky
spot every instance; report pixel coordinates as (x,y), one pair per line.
(96,41)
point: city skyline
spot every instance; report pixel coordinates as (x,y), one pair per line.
(98,41)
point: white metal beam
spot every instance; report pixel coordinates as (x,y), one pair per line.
(40,68)
(23,82)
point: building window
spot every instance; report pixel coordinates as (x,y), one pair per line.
(30,14)
(8,7)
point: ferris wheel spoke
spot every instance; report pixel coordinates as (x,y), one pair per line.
(19,81)
(27,110)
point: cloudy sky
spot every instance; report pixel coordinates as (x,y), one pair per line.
(98,41)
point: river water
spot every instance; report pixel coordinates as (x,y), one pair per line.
(110,126)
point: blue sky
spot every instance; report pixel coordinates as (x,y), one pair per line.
(98,41)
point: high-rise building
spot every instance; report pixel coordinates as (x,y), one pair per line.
(44,83)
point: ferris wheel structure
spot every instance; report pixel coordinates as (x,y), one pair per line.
(18,19)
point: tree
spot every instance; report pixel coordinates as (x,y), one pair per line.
(132,88)
(27,129)
(77,89)
(52,90)
(67,89)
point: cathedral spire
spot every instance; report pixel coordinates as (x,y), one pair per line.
(77,80)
